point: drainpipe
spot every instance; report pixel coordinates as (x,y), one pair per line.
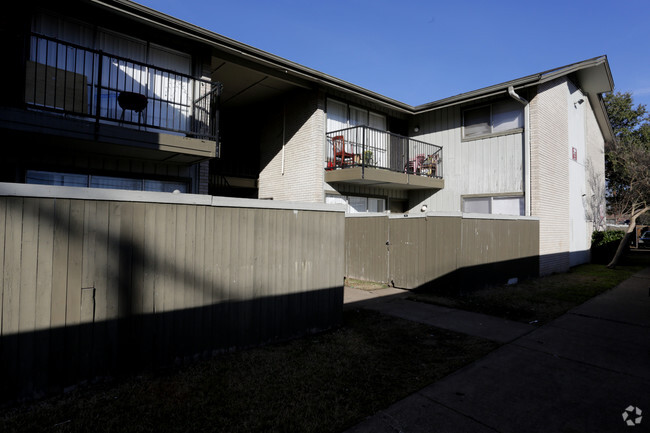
(516,97)
(284,125)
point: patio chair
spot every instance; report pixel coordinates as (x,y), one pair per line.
(429,166)
(341,157)
(414,165)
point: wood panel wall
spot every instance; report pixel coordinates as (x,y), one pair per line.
(93,288)
(422,250)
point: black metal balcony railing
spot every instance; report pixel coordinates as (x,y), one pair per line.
(88,83)
(362,146)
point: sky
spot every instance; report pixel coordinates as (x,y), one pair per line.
(419,51)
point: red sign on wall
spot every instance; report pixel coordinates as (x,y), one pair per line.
(574,154)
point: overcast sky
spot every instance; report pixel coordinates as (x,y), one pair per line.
(420,51)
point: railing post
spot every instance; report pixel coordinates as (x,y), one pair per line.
(363,152)
(98,86)
(408,159)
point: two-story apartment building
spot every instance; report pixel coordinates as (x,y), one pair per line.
(112,94)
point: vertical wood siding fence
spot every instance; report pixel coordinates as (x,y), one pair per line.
(412,252)
(96,287)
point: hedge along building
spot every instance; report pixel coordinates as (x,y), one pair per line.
(287,132)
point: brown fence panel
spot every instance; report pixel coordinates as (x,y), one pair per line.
(443,248)
(366,252)
(101,287)
(425,250)
(408,251)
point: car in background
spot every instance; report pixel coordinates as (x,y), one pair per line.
(644,240)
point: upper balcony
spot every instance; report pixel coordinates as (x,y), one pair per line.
(367,156)
(74,92)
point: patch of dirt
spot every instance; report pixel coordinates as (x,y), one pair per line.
(368,286)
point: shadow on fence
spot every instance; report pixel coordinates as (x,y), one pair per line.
(476,277)
(103,288)
(44,362)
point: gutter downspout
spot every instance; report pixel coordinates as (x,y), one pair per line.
(526,104)
(284,125)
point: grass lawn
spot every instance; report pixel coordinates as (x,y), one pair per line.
(320,383)
(543,299)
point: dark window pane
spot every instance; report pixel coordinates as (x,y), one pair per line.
(476,122)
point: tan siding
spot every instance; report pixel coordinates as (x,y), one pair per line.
(44,266)
(484,166)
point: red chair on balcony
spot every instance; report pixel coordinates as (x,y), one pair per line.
(341,157)
(414,165)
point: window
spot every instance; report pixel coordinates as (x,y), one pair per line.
(493,119)
(494,205)
(358,204)
(341,116)
(106,182)
(75,73)
(371,141)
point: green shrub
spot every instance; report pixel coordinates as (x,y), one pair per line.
(599,238)
(604,245)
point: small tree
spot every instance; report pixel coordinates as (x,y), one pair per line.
(627,163)
(595,200)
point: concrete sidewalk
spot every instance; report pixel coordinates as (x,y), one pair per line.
(393,302)
(578,373)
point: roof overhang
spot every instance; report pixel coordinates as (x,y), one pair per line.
(594,76)
(280,67)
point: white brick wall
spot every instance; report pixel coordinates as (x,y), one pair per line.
(302,116)
(550,174)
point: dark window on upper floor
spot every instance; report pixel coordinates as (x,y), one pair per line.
(495,118)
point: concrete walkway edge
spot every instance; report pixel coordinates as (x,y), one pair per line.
(586,371)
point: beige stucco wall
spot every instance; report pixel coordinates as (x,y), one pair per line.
(296,123)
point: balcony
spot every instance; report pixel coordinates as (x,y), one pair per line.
(367,156)
(79,93)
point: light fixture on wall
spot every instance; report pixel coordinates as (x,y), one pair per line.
(578,102)
(416,128)
(423,208)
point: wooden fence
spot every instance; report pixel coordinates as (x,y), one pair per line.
(99,282)
(412,252)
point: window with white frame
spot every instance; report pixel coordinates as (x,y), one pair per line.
(495,118)
(496,205)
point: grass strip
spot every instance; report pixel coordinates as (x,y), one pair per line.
(321,383)
(537,300)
